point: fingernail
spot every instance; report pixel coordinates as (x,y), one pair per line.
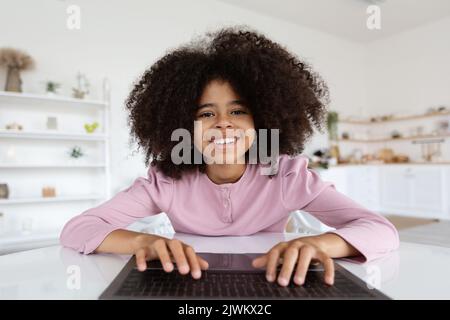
(299,280)
(168,266)
(269,277)
(283,281)
(183,268)
(196,274)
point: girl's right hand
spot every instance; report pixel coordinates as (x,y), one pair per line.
(152,247)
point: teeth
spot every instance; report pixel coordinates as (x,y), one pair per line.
(224,141)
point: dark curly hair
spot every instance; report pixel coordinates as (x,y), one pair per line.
(282,92)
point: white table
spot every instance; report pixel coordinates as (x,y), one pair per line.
(415,271)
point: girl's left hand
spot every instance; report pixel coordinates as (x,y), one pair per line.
(295,252)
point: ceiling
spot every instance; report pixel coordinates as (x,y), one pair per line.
(347,18)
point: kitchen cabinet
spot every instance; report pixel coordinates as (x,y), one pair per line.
(418,191)
(408,190)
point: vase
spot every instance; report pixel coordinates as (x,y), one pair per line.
(4,191)
(13,81)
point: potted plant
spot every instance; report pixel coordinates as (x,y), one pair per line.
(332,126)
(52,87)
(76,155)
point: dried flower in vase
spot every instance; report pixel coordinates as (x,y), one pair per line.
(82,88)
(4,191)
(15,61)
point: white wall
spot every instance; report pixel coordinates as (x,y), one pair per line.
(119,39)
(408,73)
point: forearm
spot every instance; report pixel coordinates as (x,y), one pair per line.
(124,242)
(333,245)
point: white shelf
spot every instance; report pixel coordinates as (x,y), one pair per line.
(51,199)
(36,165)
(45,98)
(13,134)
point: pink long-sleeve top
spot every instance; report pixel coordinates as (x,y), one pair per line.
(195,204)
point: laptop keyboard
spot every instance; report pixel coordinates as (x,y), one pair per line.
(155,283)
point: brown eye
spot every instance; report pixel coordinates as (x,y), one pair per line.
(238,112)
(205,115)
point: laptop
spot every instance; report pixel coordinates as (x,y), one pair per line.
(231,277)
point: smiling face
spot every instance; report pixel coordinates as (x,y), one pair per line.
(225,127)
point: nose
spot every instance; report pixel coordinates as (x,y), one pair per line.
(223,122)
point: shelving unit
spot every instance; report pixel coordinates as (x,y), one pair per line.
(33,169)
(369,136)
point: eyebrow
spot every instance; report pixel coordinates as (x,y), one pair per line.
(215,105)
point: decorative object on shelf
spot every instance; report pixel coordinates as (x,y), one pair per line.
(320,159)
(76,152)
(90,128)
(48,192)
(52,87)
(443,126)
(345,135)
(52,123)
(431,149)
(400,158)
(369,158)
(82,88)
(11,154)
(438,109)
(387,117)
(386,155)
(357,155)
(382,118)
(443,109)
(334,155)
(14,126)
(15,61)
(4,191)
(332,125)
(395,134)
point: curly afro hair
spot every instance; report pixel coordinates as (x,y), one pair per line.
(281,91)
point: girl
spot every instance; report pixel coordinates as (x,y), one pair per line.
(231,81)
